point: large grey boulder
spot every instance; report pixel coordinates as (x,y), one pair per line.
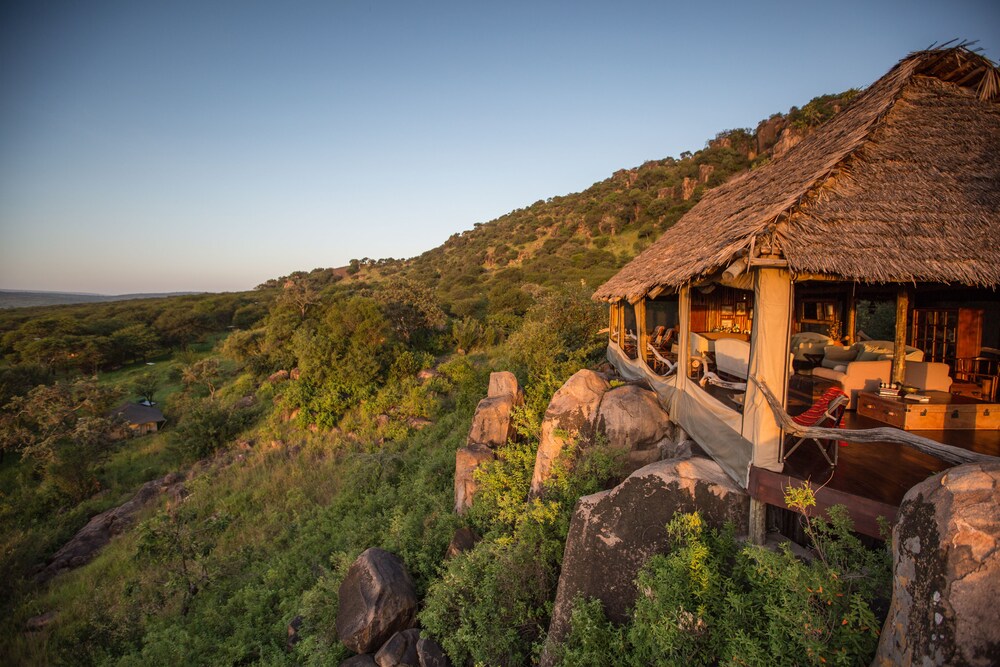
(946,572)
(633,421)
(491,422)
(467,460)
(363,660)
(570,415)
(376,600)
(400,650)
(613,533)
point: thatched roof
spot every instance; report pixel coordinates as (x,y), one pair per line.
(135,413)
(901,186)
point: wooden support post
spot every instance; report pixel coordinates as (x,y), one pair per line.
(757,530)
(641,335)
(613,322)
(899,352)
(851,325)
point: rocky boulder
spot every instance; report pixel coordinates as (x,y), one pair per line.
(400,650)
(946,571)
(463,540)
(90,539)
(634,421)
(467,460)
(613,533)
(570,415)
(376,600)
(363,660)
(431,654)
(491,422)
(788,138)
(504,383)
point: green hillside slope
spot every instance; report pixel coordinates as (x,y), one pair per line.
(314,417)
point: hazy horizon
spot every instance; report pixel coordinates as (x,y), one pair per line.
(192,147)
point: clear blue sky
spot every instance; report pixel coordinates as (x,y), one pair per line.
(209,145)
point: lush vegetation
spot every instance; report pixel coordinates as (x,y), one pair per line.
(314,417)
(713,601)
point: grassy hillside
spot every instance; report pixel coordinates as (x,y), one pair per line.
(315,417)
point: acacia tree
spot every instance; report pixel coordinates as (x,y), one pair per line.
(205,372)
(64,430)
(299,292)
(146,385)
(410,308)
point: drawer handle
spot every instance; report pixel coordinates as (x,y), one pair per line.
(954,414)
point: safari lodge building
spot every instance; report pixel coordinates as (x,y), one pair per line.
(892,207)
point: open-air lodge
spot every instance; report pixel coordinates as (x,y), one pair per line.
(890,211)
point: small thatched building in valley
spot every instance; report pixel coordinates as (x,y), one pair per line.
(896,198)
(140,419)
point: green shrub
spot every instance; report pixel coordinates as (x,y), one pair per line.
(713,601)
(503,588)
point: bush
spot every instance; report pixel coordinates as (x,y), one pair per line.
(711,601)
(503,588)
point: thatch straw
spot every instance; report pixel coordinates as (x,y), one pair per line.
(902,186)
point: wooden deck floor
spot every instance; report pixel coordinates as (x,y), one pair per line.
(870,479)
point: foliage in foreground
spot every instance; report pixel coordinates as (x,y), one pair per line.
(713,601)
(503,588)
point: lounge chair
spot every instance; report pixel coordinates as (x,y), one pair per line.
(826,413)
(661,362)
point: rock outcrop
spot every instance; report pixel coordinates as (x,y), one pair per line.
(634,421)
(788,138)
(363,660)
(570,414)
(946,572)
(613,533)
(504,383)
(430,654)
(90,539)
(491,423)
(400,650)
(376,600)
(463,540)
(467,460)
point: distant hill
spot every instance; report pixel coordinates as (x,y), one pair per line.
(21,299)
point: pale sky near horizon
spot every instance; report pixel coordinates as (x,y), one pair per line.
(209,146)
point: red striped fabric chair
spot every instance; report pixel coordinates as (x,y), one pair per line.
(826,413)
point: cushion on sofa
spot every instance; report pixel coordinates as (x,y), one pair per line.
(874,350)
(838,355)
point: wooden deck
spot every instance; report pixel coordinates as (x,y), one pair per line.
(870,479)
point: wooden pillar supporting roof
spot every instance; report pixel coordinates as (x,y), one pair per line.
(899,347)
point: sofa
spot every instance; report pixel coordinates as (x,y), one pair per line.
(808,342)
(857,376)
(862,366)
(927,376)
(836,356)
